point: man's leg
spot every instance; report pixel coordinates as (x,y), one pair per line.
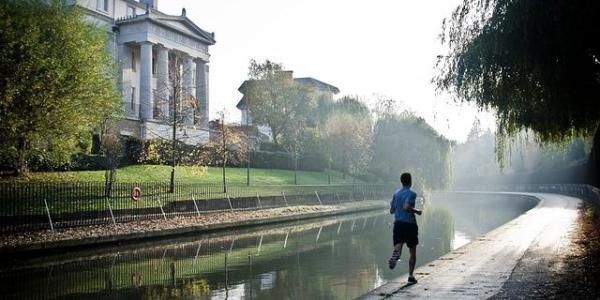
(412,261)
(395,255)
(398,247)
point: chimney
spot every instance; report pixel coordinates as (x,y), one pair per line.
(151,3)
(288,75)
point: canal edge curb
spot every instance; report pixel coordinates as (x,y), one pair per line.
(55,246)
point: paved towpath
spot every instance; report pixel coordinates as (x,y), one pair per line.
(479,269)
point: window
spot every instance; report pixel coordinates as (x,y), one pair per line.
(133,98)
(130,11)
(153,66)
(103,5)
(133,61)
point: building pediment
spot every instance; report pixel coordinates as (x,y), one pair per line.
(177,24)
(186,26)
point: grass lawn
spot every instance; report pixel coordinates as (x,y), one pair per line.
(201,175)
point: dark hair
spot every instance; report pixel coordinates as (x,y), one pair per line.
(406,179)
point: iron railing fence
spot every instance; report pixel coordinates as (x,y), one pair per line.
(584,191)
(35,206)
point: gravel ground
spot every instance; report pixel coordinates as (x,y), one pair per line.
(574,274)
(43,236)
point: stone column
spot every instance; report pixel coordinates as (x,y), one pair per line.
(146,81)
(202,91)
(162,83)
(125,85)
(189,89)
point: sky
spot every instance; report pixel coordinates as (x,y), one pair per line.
(370,49)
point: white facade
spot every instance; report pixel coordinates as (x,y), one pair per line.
(162,58)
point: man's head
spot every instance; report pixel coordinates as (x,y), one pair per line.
(406,179)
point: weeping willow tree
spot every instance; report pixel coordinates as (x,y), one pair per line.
(535,63)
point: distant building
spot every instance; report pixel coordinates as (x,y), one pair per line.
(324,92)
(147,43)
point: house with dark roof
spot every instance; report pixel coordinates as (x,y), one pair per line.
(324,92)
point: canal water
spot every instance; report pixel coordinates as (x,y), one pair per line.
(332,258)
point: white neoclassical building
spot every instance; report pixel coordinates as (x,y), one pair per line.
(164,64)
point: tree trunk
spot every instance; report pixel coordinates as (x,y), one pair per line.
(21,165)
(274,137)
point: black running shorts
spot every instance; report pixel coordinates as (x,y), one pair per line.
(406,233)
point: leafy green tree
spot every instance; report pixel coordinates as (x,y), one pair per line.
(276,100)
(347,135)
(348,140)
(57,81)
(406,143)
(536,63)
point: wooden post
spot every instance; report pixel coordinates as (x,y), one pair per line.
(258,197)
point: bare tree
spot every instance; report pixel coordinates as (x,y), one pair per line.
(227,145)
(175,102)
(111,155)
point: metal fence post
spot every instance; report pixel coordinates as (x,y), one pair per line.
(231,246)
(112,216)
(229,200)
(198,250)
(196,205)
(259,245)
(319,234)
(161,208)
(286,203)
(319,198)
(258,197)
(48,213)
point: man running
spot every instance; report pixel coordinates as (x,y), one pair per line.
(405,225)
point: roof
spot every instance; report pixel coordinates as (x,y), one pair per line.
(304,81)
(180,24)
(309,81)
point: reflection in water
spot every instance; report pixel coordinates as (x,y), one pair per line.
(335,258)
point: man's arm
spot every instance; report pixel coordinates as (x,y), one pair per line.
(392,206)
(409,207)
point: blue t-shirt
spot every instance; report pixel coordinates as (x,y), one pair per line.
(399,200)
